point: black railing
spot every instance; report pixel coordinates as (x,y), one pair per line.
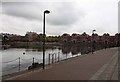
(23,64)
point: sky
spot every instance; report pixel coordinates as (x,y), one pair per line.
(66,16)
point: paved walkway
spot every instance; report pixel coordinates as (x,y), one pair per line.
(102,65)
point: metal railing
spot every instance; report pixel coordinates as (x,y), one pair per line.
(21,63)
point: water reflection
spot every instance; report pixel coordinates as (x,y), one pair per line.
(66,49)
(75,49)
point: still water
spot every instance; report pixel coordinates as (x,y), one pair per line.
(10,58)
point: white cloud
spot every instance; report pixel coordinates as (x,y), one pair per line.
(19,25)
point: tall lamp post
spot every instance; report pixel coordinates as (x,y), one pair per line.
(105,41)
(92,39)
(45,12)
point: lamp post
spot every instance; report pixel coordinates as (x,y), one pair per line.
(105,41)
(92,39)
(45,12)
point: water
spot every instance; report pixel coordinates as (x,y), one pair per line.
(10,58)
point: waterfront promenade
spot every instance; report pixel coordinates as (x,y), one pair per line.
(101,65)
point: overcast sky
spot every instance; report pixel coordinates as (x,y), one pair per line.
(66,16)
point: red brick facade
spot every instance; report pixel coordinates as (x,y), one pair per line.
(75,38)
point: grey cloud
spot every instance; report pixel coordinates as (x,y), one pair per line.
(27,10)
(62,13)
(65,14)
(84,15)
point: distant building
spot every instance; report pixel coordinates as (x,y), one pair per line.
(84,37)
(106,39)
(75,38)
(66,38)
(95,37)
(117,39)
(31,36)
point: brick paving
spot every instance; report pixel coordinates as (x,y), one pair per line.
(84,67)
(108,71)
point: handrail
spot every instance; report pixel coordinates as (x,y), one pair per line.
(10,61)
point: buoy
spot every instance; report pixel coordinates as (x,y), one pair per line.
(23,53)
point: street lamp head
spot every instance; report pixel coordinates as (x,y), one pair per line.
(46,11)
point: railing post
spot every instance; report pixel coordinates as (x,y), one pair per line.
(19,64)
(49,59)
(55,57)
(52,58)
(58,56)
(66,55)
(33,60)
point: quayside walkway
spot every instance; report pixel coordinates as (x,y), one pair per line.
(101,65)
